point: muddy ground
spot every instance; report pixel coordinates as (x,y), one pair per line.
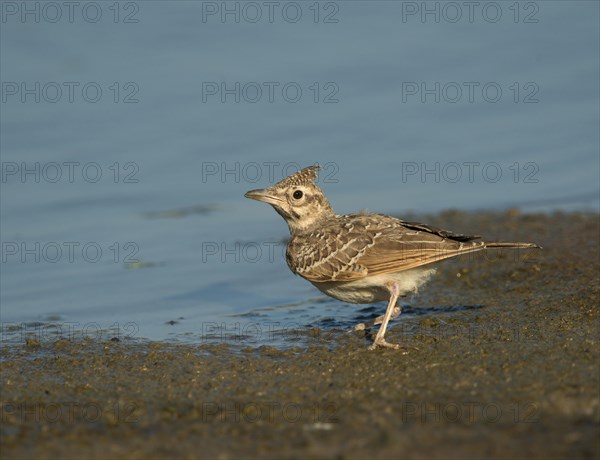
(512,372)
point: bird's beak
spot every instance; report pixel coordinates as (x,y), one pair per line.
(265,195)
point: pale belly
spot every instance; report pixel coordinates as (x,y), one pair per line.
(373,288)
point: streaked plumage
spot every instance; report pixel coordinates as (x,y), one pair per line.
(360,258)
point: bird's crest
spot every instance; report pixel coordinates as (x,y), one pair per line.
(305,176)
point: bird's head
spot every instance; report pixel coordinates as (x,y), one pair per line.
(297,199)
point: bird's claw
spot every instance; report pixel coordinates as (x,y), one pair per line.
(382,343)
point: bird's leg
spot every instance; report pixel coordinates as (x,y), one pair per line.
(391,308)
(378,320)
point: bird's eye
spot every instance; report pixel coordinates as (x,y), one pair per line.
(297,194)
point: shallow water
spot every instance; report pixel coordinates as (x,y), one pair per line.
(132,212)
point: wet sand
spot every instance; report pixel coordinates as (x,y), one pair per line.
(511,372)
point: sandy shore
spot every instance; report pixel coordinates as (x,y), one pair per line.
(512,372)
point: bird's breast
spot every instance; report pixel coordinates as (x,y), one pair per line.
(372,289)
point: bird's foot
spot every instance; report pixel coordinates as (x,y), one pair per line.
(375,322)
(382,343)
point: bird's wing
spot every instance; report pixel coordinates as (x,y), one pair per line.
(330,253)
(439,231)
(359,245)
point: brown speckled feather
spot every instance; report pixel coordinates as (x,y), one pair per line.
(351,247)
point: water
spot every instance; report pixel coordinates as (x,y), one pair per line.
(135,219)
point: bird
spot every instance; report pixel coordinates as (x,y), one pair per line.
(361,258)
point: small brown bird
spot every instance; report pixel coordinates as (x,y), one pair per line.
(360,258)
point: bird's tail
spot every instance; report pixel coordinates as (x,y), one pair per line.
(512,245)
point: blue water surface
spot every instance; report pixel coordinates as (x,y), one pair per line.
(130,132)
